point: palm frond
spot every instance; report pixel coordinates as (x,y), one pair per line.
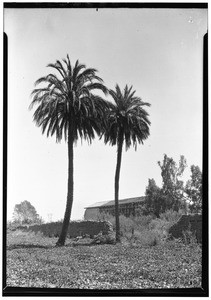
(97,86)
(69,67)
(77,68)
(127,114)
(67,102)
(40,80)
(55,66)
(87,72)
(60,67)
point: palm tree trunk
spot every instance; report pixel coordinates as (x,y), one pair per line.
(117,175)
(69,202)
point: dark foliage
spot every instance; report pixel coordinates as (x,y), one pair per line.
(194,190)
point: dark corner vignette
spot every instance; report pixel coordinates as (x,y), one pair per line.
(13,291)
(5,123)
(205,175)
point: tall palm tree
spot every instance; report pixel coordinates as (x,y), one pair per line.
(67,107)
(127,121)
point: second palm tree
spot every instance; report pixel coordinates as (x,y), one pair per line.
(127,121)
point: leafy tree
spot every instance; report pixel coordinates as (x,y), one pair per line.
(194,190)
(67,107)
(25,213)
(127,121)
(154,202)
(173,187)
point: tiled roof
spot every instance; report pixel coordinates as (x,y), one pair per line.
(112,202)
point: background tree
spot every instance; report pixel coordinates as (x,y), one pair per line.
(68,108)
(173,187)
(128,122)
(25,213)
(194,190)
(171,196)
(154,200)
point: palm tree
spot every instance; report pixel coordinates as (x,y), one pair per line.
(127,121)
(68,108)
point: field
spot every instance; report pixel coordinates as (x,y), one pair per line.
(34,261)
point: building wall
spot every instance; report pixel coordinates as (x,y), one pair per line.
(127,209)
(91,214)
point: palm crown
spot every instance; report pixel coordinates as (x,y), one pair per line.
(126,117)
(126,121)
(67,102)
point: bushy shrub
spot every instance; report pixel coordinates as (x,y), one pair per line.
(126,224)
(146,229)
(147,238)
(171,215)
(106,217)
(143,229)
(188,237)
(159,225)
(162,224)
(142,221)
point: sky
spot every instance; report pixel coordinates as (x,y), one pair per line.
(158,51)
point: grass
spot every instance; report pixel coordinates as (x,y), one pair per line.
(34,261)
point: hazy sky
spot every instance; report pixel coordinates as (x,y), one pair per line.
(158,51)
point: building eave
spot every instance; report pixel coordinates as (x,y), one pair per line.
(105,204)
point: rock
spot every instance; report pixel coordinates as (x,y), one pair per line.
(187,222)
